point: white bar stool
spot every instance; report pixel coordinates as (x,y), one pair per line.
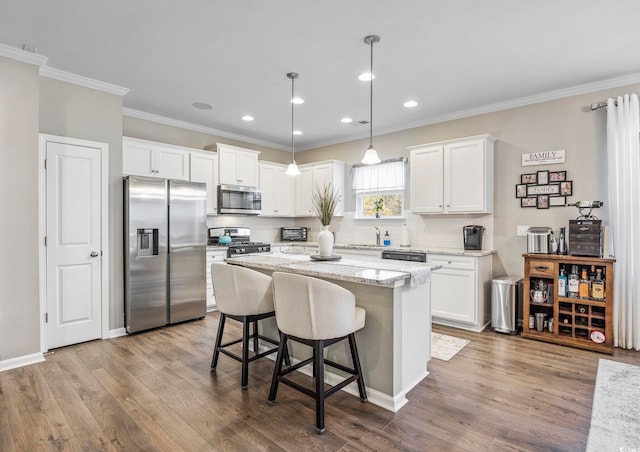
(316,313)
(244,295)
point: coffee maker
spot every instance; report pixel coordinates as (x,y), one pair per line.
(472,236)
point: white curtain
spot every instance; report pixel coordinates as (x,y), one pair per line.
(623,149)
(383,176)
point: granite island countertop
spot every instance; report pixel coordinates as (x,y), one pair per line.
(374,272)
(417,248)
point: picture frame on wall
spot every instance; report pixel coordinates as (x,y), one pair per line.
(543,177)
(528,202)
(557,201)
(557,176)
(542,202)
(521,190)
(566,188)
(528,178)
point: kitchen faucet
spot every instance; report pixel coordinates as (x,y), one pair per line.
(377,236)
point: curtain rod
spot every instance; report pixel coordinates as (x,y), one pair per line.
(602,104)
(395,159)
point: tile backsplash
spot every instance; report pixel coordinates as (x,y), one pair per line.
(441,231)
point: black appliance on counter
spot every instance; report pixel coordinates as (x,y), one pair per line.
(294,234)
(472,236)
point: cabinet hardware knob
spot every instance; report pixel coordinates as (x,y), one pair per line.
(541,268)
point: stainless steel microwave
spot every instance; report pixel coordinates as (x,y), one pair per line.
(293,234)
(239,200)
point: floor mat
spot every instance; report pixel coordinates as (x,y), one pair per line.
(445,347)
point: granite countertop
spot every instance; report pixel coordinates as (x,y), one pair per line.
(375,272)
(417,248)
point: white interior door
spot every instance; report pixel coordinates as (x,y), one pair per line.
(73,245)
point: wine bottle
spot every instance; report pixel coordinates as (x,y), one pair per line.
(584,285)
(597,286)
(574,282)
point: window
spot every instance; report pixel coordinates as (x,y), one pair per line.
(379,189)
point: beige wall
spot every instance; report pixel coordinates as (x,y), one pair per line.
(74,111)
(19,305)
(560,124)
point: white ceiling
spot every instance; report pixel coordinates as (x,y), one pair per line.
(455,57)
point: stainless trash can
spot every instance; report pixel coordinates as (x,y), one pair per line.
(506,304)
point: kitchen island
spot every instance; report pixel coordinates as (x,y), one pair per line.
(395,343)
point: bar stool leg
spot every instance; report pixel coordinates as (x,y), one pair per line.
(255,337)
(282,351)
(216,349)
(318,367)
(245,353)
(356,365)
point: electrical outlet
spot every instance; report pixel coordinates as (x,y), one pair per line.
(521,231)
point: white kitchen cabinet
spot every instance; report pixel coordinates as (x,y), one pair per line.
(454,176)
(204,168)
(358,254)
(461,291)
(149,158)
(238,166)
(315,176)
(213,255)
(277,190)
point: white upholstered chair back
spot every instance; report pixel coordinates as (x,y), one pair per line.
(241,291)
(311,308)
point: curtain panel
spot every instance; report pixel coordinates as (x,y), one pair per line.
(623,154)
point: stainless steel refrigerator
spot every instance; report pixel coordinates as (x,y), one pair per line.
(165,237)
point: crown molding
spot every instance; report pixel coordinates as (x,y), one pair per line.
(80,80)
(21,55)
(492,108)
(197,128)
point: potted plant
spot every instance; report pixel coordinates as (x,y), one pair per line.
(378,205)
(325,201)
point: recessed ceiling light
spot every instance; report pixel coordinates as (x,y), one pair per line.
(346,120)
(411,104)
(297,132)
(247,118)
(297,100)
(201,106)
(366,76)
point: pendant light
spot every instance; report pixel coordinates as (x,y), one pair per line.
(371,156)
(292,169)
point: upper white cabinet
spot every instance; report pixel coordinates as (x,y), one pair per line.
(148,158)
(204,168)
(238,166)
(453,176)
(315,176)
(277,190)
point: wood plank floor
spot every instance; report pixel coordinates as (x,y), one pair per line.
(154,392)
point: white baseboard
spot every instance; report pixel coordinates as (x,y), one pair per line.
(21,361)
(116,333)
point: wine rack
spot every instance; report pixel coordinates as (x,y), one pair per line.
(586,322)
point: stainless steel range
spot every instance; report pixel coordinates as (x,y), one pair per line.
(238,241)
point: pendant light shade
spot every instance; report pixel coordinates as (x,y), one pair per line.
(292,169)
(371,156)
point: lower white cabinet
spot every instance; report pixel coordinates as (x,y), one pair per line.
(358,254)
(213,255)
(461,291)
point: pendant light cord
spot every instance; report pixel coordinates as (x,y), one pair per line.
(371,100)
(293,151)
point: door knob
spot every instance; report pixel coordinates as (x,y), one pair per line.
(94,254)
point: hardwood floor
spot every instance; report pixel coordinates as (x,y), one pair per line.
(154,392)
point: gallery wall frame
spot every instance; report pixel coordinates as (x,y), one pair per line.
(544,189)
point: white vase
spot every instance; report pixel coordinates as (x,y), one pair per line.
(325,242)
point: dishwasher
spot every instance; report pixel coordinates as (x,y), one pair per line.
(412,256)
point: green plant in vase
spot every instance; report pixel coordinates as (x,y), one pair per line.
(325,201)
(378,205)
